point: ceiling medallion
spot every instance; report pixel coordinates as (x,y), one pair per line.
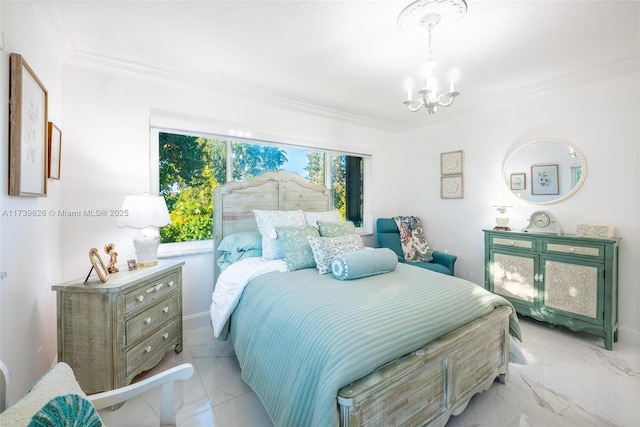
(412,18)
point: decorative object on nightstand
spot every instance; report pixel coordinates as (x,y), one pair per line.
(543,222)
(110,249)
(146,213)
(98,266)
(110,332)
(597,231)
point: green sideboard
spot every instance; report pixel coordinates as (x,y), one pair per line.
(564,280)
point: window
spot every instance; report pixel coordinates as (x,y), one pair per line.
(191,166)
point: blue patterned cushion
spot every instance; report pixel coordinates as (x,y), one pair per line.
(56,399)
(268,221)
(326,248)
(295,246)
(357,264)
(68,411)
(336,229)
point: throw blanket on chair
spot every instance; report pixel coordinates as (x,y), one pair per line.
(414,245)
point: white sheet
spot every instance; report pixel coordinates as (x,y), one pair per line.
(232,282)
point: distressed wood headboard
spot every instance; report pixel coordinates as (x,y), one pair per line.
(233,203)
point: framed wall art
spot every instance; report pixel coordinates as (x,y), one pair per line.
(451,163)
(518,181)
(544,179)
(27,131)
(55,149)
(451,187)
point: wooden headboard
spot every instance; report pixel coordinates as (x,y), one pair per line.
(233,203)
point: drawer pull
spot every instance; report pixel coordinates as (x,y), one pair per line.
(512,243)
(166,309)
(140,298)
(165,335)
(571,250)
(147,349)
(147,320)
(155,288)
(171,284)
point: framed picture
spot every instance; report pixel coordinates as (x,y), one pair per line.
(55,148)
(451,163)
(27,131)
(98,265)
(451,187)
(518,181)
(544,179)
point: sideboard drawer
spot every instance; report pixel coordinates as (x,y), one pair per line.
(594,251)
(520,243)
(152,318)
(159,342)
(150,292)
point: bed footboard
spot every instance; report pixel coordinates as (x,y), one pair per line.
(429,385)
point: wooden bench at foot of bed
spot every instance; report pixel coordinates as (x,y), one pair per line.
(428,386)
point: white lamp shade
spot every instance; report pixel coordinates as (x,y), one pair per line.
(144,211)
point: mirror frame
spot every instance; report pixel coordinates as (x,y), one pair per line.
(574,190)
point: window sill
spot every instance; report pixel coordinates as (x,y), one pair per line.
(168,250)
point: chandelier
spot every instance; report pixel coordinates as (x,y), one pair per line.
(424,15)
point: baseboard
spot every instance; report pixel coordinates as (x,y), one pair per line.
(628,335)
(197,320)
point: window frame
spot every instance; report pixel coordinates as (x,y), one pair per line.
(204,246)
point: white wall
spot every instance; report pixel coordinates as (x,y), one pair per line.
(599,117)
(106,154)
(29,246)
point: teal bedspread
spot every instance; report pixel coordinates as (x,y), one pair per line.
(300,336)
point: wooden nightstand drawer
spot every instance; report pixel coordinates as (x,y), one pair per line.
(152,318)
(150,292)
(157,344)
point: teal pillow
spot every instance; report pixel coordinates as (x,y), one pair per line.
(357,264)
(238,246)
(336,229)
(294,244)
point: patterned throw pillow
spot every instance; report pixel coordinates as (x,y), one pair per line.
(313,217)
(295,246)
(326,248)
(55,399)
(268,221)
(336,229)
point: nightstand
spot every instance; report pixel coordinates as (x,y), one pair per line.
(110,332)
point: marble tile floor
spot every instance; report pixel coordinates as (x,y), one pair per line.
(570,380)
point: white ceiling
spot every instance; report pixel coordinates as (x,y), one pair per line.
(349,56)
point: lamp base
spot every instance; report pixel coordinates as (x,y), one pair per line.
(500,228)
(146,244)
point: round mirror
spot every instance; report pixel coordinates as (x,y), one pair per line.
(545,171)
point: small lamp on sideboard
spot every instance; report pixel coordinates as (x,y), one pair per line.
(501,204)
(147,214)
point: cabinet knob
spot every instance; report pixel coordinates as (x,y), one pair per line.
(140,298)
(166,309)
(165,335)
(171,284)
(512,243)
(147,320)
(572,250)
(147,349)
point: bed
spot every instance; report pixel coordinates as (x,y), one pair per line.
(408,347)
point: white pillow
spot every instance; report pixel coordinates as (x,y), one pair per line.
(330,216)
(268,221)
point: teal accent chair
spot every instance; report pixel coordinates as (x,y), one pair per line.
(389,237)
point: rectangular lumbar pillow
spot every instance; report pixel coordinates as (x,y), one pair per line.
(326,248)
(354,265)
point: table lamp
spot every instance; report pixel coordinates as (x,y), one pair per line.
(145,213)
(502,220)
